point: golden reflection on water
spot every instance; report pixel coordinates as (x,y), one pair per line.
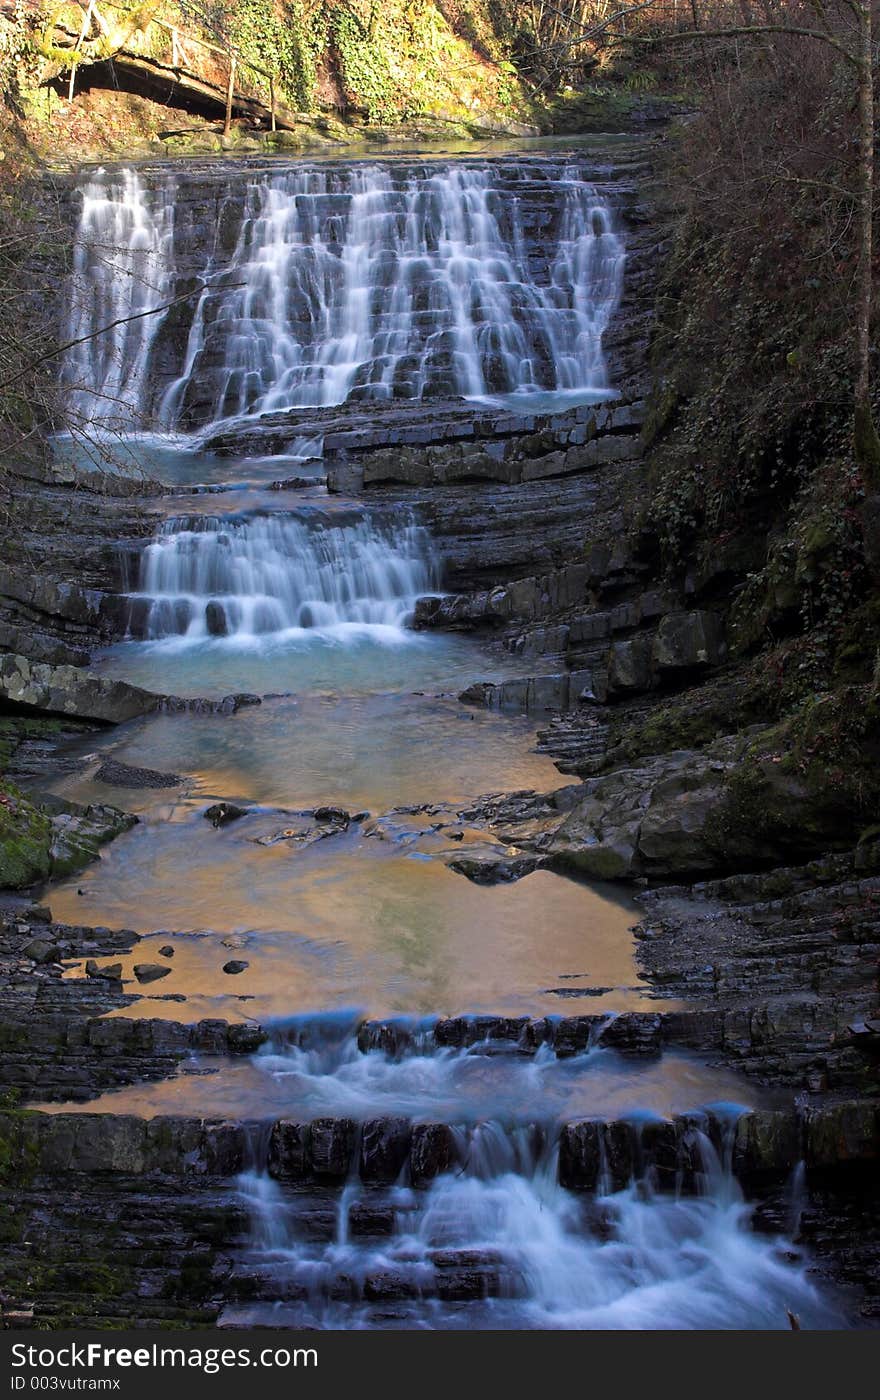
(390,934)
(353,920)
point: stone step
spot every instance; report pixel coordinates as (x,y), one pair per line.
(328,1152)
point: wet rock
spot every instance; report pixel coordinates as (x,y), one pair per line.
(225,1150)
(166,951)
(842,1134)
(389,1037)
(111,972)
(580,1155)
(495,867)
(385,1146)
(244,1038)
(432,1152)
(366,1220)
(332,816)
(221,813)
(766,1144)
(332,1145)
(150,972)
(634,1033)
(386,1287)
(215,619)
(234,966)
(658,1152)
(233,940)
(618,1144)
(116,774)
(289,1146)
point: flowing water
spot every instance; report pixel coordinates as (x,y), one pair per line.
(364,281)
(297,288)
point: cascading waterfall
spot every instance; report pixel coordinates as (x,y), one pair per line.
(266,574)
(501,1235)
(122,268)
(364,282)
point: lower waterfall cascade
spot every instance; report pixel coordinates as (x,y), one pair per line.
(270,574)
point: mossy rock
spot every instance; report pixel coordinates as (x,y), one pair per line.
(25,840)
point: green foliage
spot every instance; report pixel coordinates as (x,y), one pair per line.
(750,428)
(286,40)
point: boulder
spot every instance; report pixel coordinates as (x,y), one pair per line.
(42,950)
(289,1150)
(332,1144)
(432,1152)
(234,966)
(629,666)
(150,972)
(68,690)
(221,813)
(78,833)
(385,1146)
(687,641)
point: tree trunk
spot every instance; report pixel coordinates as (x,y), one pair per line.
(866,441)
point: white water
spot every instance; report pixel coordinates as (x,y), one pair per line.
(550,1258)
(273,574)
(346,283)
(123,265)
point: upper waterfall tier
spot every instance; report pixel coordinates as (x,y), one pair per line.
(326,284)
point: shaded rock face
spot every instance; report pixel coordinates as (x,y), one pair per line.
(764,1145)
(779,967)
(69,690)
(66,690)
(682,814)
(683,644)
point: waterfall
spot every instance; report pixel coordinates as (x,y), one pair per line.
(264,574)
(122,267)
(345,283)
(499,1233)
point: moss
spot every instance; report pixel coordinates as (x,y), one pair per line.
(806,784)
(16,729)
(596,862)
(687,721)
(25,838)
(19,1148)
